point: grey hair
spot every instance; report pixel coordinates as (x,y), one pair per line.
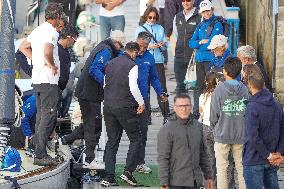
(145,36)
(247,51)
(53,11)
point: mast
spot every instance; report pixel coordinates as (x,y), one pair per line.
(7,70)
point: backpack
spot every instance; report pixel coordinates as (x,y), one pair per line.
(12,160)
(225,24)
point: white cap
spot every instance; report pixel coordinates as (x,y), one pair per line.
(218,41)
(205,5)
(118,36)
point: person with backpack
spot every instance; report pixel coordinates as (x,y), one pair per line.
(157,48)
(184,25)
(200,40)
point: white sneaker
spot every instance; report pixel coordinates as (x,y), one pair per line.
(64,149)
(94,165)
(143,168)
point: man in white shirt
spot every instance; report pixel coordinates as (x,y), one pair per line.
(41,47)
(111,16)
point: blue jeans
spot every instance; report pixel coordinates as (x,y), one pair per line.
(258,176)
(111,23)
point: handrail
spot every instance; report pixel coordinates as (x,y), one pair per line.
(34,6)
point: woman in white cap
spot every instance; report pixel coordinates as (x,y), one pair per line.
(200,40)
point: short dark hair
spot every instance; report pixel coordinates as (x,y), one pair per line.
(251,69)
(145,36)
(148,11)
(68,30)
(53,11)
(182,95)
(131,46)
(233,66)
(256,80)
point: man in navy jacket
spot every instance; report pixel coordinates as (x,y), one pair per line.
(264,136)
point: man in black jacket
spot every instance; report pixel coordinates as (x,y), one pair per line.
(123,103)
(184,25)
(247,55)
(172,7)
(89,91)
(182,155)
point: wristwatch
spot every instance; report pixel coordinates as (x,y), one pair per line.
(164,186)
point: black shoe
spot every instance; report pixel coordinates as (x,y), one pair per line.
(46,161)
(107,182)
(128,177)
(165,120)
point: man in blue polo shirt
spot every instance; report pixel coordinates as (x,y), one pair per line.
(147,74)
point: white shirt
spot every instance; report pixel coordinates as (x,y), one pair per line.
(45,33)
(117,11)
(161,3)
(205,105)
(133,76)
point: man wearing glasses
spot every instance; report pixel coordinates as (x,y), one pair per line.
(182,154)
(184,25)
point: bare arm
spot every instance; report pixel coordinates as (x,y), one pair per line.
(48,56)
(111,5)
(102,1)
(26,49)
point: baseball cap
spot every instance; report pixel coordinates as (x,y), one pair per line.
(218,41)
(118,36)
(205,5)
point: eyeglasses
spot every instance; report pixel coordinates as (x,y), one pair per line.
(72,38)
(183,106)
(152,17)
(185,1)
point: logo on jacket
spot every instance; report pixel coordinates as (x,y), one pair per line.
(192,23)
(234,107)
(147,63)
(101,59)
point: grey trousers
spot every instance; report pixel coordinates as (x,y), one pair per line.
(46,117)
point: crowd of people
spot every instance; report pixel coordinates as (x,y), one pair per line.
(232,123)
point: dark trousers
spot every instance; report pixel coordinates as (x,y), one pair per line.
(91,128)
(180,68)
(201,70)
(162,18)
(145,117)
(187,187)
(209,142)
(117,120)
(46,117)
(164,106)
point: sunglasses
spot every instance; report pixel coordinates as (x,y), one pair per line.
(152,17)
(185,1)
(72,38)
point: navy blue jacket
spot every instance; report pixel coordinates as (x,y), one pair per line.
(264,128)
(147,73)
